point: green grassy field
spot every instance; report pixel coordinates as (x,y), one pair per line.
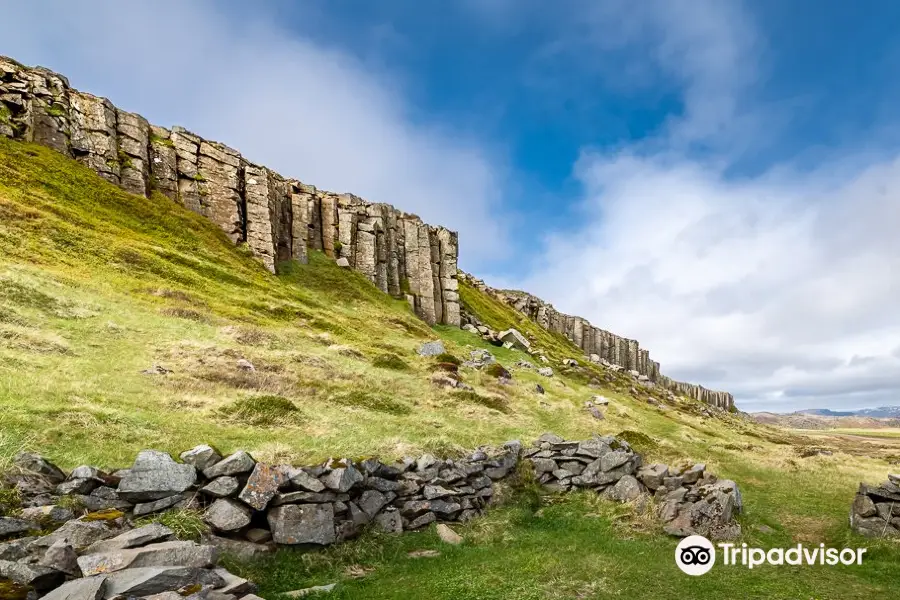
(97,286)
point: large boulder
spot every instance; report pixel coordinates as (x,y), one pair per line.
(514,339)
(155,475)
(431,348)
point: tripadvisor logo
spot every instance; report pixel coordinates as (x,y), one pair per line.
(696,555)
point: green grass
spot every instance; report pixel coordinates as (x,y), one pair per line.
(97,285)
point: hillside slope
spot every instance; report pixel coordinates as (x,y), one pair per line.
(98,286)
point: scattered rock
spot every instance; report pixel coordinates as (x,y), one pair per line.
(448,536)
(10,526)
(596,413)
(245,365)
(343,262)
(545,371)
(538,388)
(87,588)
(316,589)
(35,463)
(423,554)
(432,348)
(61,556)
(39,577)
(514,339)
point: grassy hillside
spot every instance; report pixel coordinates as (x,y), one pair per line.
(97,286)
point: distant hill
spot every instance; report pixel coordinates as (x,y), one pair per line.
(823,418)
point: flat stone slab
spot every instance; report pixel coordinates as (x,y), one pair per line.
(148,534)
(185,554)
(146,581)
(85,588)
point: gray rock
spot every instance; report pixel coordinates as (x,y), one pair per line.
(432,348)
(227,515)
(77,486)
(694,474)
(183,554)
(306,497)
(61,556)
(538,388)
(262,486)
(234,584)
(293,524)
(543,465)
(155,475)
(389,521)
(10,526)
(342,479)
(863,506)
(422,520)
(894,478)
(515,339)
(87,588)
(79,533)
(237,463)
(258,535)
(626,489)
(221,487)
(879,492)
(653,475)
(596,413)
(245,365)
(343,262)
(382,485)
(201,457)
(240,548)
(86,472)
(15,549)
(426,461)
(372,501)
(146,581)
(433,492)
(305,481)
(39,577)
(673,482)
(50,512)
(545,371)
(612,460)
(316,589)
(35,463)
(134,538)
(147,508)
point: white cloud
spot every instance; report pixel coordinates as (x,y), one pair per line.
(780,288)
(304,109)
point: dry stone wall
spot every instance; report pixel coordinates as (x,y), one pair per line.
(277,217)
(876,509)
(599,345)
(253,506)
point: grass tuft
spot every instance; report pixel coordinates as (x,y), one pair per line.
(187,524)
(390,361)
(263,411)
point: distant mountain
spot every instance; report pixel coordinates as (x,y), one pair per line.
(884,412)
(823,418)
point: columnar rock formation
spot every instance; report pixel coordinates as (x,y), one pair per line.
(598,344)
(277,217)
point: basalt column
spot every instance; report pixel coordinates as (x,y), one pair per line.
(134,152)
(260,199)
(93,134)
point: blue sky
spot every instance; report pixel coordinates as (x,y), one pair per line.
(717,179)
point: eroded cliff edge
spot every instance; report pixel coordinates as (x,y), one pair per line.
(281,218)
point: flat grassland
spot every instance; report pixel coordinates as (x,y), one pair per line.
(97,286)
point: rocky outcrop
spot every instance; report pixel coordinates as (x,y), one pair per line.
(599,345)
(278,218)
(876,509)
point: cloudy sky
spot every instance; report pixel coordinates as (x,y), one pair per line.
(719,180)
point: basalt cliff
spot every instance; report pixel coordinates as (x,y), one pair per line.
(280,218)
